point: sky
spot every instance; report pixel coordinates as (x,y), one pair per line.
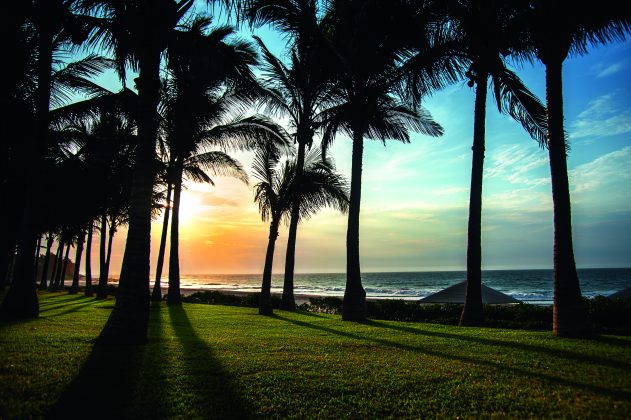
(415,196)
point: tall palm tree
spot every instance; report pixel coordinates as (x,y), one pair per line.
(200,95)
(101,131)
(156,293)
(277,190)
(366,51)
(43,284)
(137,32)
(55,25)
(74,288)
(297,90)
(88,260)
(558,29)
(481,36)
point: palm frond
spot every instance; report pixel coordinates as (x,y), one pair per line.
(219,164)
(75,78)
(516,100)
(247,133)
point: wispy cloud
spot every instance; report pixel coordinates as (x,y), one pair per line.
(607,69)
(604,172)
(513,162)
(602,117)
(450,190)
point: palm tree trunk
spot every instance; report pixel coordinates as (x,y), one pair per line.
(156,294)
(265,302)
(37,248)
(101,292)
(128,321)
(43,283)
(77,263)
(88,262)
(64,269)
(472,311)
(108,257)
(12,255)
(570,318)
(6,247)
(60,264)
(354,304)
(174,297)
(53,276)
(288,301)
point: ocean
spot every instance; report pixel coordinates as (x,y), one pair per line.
(533,286)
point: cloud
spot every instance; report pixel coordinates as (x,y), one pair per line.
(217,201)
(450,190)
(604,70)
(513,162)
(602,117)
(607,172)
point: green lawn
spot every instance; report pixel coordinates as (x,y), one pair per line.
(221,361)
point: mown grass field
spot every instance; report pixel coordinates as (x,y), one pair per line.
(221,361)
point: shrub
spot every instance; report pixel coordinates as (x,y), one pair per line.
(212,297)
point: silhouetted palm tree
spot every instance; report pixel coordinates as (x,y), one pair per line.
(366,50)
(74,288)
(43,283)
(54,25)
(88,260)
(101,130)
(558,29)
(481,36)
(278,189)
(297,90)
(200,96)
(137,32)
(156,294)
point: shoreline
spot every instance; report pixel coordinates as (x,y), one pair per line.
(299,298)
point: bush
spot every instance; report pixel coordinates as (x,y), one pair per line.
(217,298)
(518,316)
(326,305)
(611,316)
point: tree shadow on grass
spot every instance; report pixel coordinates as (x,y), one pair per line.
(311,314)
(502,367)
(215,394)
(110,384)
(71,307)
(565,354)
(105,385)
(49,300)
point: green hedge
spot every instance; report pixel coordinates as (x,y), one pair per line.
(607,315)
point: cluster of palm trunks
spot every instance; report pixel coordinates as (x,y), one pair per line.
(355,67)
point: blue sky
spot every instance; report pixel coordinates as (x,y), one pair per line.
(415,196)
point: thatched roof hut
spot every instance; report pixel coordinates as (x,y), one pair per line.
(457,292)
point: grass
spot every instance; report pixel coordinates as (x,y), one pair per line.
(222,361)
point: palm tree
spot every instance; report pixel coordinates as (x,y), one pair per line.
(74,288)
(200,95)
(366,51)
(43,284)
(558,29)
(100,130)
(194,168)
(137,32)
(297,91)
(156,294)
(278,189)
(481,36)
(88,260)
(55,25)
